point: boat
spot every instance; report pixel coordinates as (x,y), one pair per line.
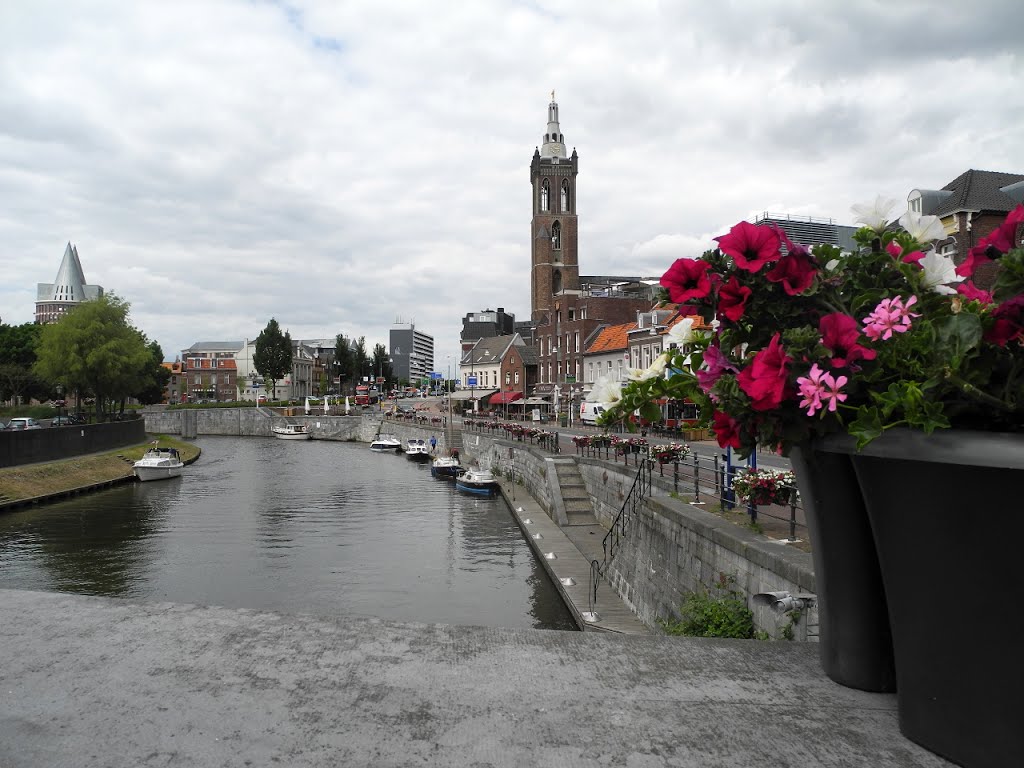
(386,443)
(446,466)
(417,449)
(292,431)
(158,464)
(479,481)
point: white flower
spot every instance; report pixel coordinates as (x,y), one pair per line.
(606,392)
(938,271)
(682,332)
(643,374)
(924,229)
(874,215)
(831,264)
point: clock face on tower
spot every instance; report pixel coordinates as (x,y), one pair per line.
(556,148)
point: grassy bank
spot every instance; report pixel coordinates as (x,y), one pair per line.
(34,480)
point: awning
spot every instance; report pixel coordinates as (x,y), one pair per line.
(536,401)
(499,398)
(471,394)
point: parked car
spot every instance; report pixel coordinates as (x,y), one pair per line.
(63,421)
(23,422)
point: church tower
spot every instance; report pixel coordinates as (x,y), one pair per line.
(554,258)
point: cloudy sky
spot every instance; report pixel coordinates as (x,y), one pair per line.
(341,166)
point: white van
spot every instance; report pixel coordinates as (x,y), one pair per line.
(590,411)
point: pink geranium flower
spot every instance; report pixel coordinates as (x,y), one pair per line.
(889,317)
(750,246)
(819,388)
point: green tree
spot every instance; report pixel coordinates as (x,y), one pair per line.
(382,363)
(94,349)
(18,345)
(361,361)
(154,377)
(273,355)
(344,365)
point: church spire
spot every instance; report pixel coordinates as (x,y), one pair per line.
(554,142)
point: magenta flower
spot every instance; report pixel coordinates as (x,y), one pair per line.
(971,292)
(732,299)
(750,246)
(715,364)
(889,317)
(764,380)
(795,271)
(840,333)
(687,279)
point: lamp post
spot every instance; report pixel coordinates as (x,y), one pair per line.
(255,387)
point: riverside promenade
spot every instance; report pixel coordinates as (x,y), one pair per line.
(88,682)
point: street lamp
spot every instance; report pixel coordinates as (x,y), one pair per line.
(255,387)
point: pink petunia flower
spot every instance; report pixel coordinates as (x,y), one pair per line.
(715,364)
(764,380)
(687,279)
(732,299)
(840,333)
(795,271)
(970,291)
(750,246)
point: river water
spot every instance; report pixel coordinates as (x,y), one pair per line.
(321,527)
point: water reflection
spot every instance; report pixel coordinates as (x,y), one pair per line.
(318,527)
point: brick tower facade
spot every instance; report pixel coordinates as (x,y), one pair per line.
(554,258)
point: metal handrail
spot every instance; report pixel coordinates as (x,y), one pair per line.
(619,529)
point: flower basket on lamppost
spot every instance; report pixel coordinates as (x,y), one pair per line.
(895,383)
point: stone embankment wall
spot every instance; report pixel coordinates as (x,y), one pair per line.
(257,422)
(49,444)
(671,548)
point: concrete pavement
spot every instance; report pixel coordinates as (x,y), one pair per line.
(88,681)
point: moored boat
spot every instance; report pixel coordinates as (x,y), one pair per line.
(446,467)
(417,449)
(292,431)
(158,464)
(479,481)
(386,443)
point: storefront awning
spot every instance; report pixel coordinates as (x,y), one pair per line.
(471,394)
(504,397)
(536,401)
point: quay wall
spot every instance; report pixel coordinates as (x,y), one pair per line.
(671,548)
(27,446)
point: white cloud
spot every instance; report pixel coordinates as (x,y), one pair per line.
(341,165)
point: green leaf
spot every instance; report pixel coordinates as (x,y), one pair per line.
(866,427)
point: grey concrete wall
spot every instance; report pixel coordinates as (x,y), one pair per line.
(52,443)
(257,422)
(673,548)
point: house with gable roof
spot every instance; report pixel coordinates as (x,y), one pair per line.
(970,207)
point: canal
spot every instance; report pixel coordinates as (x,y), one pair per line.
(328,528)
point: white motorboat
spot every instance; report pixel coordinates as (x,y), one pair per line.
(417,449)
(446,467)
(292,431)
(386,444)
(479,481)
(158,464)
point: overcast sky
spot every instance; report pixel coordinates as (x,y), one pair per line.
(341,166)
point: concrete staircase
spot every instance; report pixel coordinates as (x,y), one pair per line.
(578,509)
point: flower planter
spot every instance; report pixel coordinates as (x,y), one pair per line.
(946,516)
(855,643)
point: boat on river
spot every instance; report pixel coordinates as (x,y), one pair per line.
(477,481)
(417,449)
(158,464)
(292,431)
(446,467)
(386,444)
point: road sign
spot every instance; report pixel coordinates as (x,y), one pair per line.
(381,379)
(471,381)
(570,379)
(435,375)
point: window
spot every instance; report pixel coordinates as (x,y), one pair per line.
(556,236)
(545,194)
(577,340)
(565,195)
(572,314)
(517,378)
(508,378)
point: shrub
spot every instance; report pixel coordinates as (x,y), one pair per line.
(722,613)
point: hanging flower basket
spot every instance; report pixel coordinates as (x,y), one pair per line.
(673,452)
(765,486)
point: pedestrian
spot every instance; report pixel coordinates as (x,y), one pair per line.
(433,443)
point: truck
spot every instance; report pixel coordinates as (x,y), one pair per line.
(366,395)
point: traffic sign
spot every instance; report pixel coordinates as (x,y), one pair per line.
(471,381)
(570,379)
(435,375)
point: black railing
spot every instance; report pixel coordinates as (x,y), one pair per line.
(620,527)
